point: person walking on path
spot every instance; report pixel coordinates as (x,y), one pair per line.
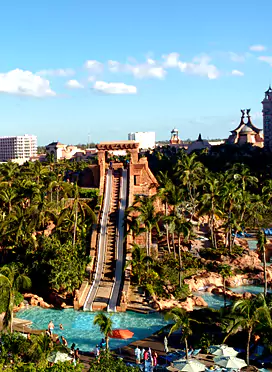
(165,342)
(138,355)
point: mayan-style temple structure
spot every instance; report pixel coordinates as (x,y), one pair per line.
(175,140)
(267,119)
(246,132)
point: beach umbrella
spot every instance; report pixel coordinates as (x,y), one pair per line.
(57,356)
(222,350)
(189,365)
(229,362)
(122,334)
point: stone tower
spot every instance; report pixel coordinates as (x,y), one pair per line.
(267,119)
(174,140)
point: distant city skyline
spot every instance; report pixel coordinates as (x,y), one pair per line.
(83,72)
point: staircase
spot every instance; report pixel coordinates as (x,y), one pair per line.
(105,287)
(115,296)
(102,242)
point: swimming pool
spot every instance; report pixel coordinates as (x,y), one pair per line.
(255,289)
(213,301)
(79,327)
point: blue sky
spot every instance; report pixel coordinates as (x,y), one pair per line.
(103,68)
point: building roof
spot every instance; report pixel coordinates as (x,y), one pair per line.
(248,124)
(55,144)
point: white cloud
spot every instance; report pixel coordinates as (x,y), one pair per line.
(57,72)
(74,84)
(171,60)
(115,66)
(150,69)
(257,48)
(91,79)
(267,59)
(94,66)
(25,83)
(201,67)
(237,57)
(114,88)
(237,73)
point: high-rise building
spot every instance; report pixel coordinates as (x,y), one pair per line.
(267,119)
(18,148)
(146,140)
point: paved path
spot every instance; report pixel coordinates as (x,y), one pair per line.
(120,244)
(101,246)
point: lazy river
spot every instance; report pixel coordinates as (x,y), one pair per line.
(79,327)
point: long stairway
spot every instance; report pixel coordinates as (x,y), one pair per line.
(102,243)
(116,290)
(105,287)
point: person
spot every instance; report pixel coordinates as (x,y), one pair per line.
(64,341)
(77,354)
(96,352)
(138,355)
(165,342)
(51,327)
(103,344)
(57,341)
(142,354)
(61,327)
(72,350)
(28,337)
(155,358)
(146,361)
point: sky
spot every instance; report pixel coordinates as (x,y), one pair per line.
(94,70)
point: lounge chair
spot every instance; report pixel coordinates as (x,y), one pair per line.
(196,352)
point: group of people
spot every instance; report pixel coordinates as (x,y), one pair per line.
(98,348)
(148,357)
(73,352)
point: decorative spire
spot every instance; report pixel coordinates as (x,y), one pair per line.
(199,137)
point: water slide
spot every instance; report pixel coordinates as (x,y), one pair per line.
(101,245)
(120,245)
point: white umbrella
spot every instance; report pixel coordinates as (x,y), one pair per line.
(189,365)
(230,362)
(222,350)
(57,356)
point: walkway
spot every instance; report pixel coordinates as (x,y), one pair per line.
(101,246)
(115,294)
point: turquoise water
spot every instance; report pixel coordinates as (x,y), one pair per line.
(252,244)
(214,301)
(79,328)
(255,289)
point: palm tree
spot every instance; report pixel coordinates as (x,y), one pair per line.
(7,196)
(189,171)
(181,322)
(163,191)
(225,271)
(139,263)
(262,248)
(105,324)
(247,315)
(11,281)
(210,201)
(242,175)
(79,206)
(146,215)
